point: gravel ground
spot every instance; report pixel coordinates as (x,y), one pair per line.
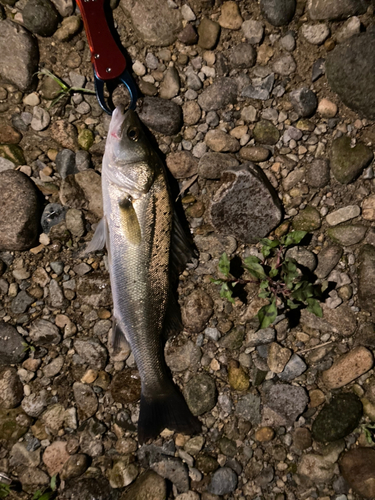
(263,112)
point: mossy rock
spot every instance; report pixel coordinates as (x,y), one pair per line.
(266,133)
(85,139)
(347,234)
(14,424)
(307,220)
(347,163)
(338,418)
(234,339)
(13,153)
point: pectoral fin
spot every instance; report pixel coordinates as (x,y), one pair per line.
(129,222)
(99,239)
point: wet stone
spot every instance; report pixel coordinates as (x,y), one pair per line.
(14,423)
(200,394)
(245,191)
(348,162)
(338,418)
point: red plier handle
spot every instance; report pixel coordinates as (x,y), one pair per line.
(108,60)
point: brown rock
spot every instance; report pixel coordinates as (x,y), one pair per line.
(358,468)
(348,367)
(182,164)
(65,134)
(55,457)
(126,387)
(75,466)
(254,153)
(86,400)
(8,135)
(302,438)
(11,388)
(197,310)
(278,357)
(264,434)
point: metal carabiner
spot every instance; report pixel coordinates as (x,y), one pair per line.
(107,58)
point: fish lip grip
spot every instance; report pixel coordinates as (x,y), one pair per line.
(107,58)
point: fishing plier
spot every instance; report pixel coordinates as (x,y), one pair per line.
(107,58)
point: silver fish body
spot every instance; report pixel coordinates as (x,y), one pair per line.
(138,226)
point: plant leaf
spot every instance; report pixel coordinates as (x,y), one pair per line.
(53,482)
(224,264)
(263,284)
(314,307)
(216,282)
(292,305)
(294,238)
(267,314)
(252,264)
(270,243)
(273,273)
(226,292)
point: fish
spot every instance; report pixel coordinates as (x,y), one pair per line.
(147,249)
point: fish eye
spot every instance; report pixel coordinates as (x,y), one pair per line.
(133,134)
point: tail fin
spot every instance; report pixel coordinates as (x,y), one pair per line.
(168,411)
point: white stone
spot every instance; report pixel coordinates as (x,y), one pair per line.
(139,68)
(343,214)
(32,99)
(253,31)
(187,13)
(315,33)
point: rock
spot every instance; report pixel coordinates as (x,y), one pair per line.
(277,357)
(348,367)
(218,95)
(85,139)
(92,352)
(189,495)
(191,112)
(260,88)
(34,404)
(75,223)
(315,34)
(188,35)
(20,70)
(342,319)
(94,290)
(278,13)
(82,160)
(321,10)
(244,191)
(242,56)
(223,481)
(343,214)
(348,60)
(32,477)
(328,257)
(351,27)
(40,17)
(264,435)
(53,214)
(302,438)
(157,23)
(14,423)
(208,32)
(254,153)
(327,108)
(347,234)
(260,337)
(253,31)
(20,455)
(161,115)
(148,485)
(74,467)
(64,7)
(230,17)
(65,134)
(12,350)
(308,219)
(83,190)
(248,408)
(126,387)
(219,141)
(293,369)
(21,303)
(13,153)
(283,404)
(55,456)
(52,419)
(237,377)
(285,65)
(338,418)
(86,401)
(348,162)
(89,488)
(66,163)
(265,132)
(8,135)
(170,86)
(318,173)
(122,474)
(43,332)
(56,297)
(69,27)
(316,467)
(184,357)
(357,466)
(182,164)
(19,211)
(366,275)
(173,469)
(304,101)
(54,367)
(302,256)
(11,388)
(288,41)
(200,394)
(196,311)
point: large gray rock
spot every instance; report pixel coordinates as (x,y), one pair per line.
(12,349)
(156,22)
(19,209)
(283,404)
(350,73)
(161,115)
(278,12)
(19,65)
(40,17)
(321,10)
(218,95)
(245,206)
(348,162)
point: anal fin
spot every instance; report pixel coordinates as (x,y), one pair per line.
(99,239)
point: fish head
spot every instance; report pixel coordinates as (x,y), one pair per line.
(128,152)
